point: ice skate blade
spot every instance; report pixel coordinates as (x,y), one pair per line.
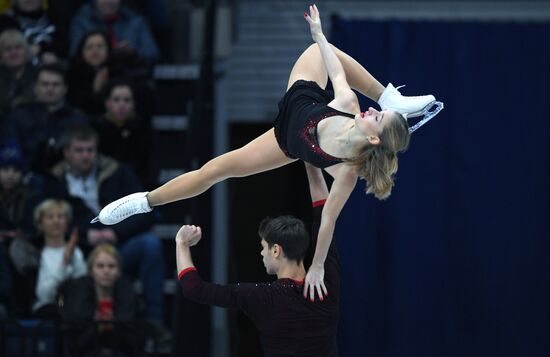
(429,111)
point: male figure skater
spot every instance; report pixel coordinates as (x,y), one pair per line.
(288,322)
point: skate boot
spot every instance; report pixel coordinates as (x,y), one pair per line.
(123,208)
(409,107)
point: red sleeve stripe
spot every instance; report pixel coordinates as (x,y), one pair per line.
(318,203)
(185,271)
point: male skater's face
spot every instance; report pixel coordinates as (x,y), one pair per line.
(268,258)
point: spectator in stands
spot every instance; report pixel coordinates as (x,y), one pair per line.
(125,136)
(91,181)
(31,18)
(90,69)
(17,74)
(59,259)
(38,126)
(128,32)
(17,201)
(6,297)
(103,295)
(16,196)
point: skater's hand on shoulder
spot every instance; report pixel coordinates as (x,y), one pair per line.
(189,235)
(314,21)
(315,283)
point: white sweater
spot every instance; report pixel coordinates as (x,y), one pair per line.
(52,272)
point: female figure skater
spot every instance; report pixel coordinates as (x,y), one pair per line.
(315,127)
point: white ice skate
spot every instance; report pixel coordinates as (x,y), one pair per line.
(410,107)
(123,208)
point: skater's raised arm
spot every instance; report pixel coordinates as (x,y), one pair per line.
(334,67)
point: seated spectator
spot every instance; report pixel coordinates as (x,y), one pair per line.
(17,196)
(17,201)
(103,296)
(128,33)
(33,21)
(91,181)
(38,126)
(59,260)
(17,74)
(125,136)
(6,297)
(90,70)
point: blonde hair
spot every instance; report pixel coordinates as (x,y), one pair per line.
(108,249)
(377,164)
(47,205)
(14,36)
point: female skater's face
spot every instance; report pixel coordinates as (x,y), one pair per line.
(372,122)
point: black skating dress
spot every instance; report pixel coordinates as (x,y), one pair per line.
(300,110)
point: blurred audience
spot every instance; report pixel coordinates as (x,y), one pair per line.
(38,126)
(6,293)
(127,31)
(125,136)
(92,181)
(4,5)
(17,201)
(16,196)
(157,13)
(90,69)
(41,33)
(17,74)
(59,259)
(102,296)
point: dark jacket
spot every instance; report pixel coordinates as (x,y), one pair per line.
(16,208)
(15,91)
(39,132)
(77,302)
(130,143)
(115,180)
(80,80)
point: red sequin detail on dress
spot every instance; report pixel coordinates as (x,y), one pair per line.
(313,143)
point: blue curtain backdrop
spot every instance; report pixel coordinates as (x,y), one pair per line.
(456,261)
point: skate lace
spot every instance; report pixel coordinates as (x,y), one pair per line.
(119,212)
